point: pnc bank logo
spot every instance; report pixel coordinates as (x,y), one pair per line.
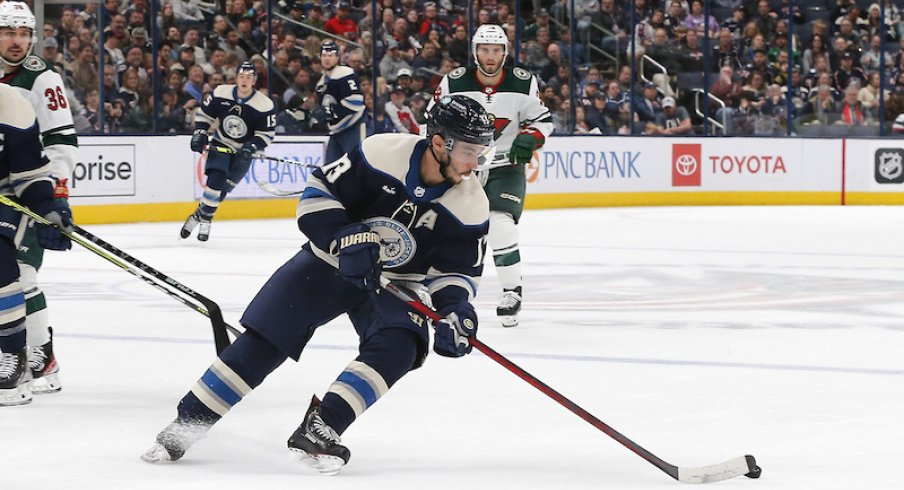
(686,165)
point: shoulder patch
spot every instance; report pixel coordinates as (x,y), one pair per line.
(33,63)
(457,73)
(521,73)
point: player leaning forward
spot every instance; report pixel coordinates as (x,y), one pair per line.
(34,80)
(398,205)
(511,97)
(245,124)
(24,176)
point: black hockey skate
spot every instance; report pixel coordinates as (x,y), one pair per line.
(15,379)
(174,440)
(204,231)
(319,443)
(44,368)
(509,307)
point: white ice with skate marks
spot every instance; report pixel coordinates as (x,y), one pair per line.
(700,333)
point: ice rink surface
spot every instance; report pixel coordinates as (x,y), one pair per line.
(700,333)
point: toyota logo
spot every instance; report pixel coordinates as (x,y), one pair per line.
(686,165)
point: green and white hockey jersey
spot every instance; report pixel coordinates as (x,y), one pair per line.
(514,104)
(44,89)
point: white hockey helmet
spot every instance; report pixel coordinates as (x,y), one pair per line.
(489,34)
(14,15)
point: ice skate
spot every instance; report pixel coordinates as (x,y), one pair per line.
(189,225)
(45,371)
(174,440)
(15,379)
(204,231)
(319,443)
(509,307)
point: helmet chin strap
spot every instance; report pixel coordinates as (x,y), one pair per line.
(487,74)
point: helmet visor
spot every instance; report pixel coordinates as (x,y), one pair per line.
(471,153)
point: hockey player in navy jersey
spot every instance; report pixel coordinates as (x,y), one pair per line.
(400,206)
(246,124)
(25,175)
(341,98)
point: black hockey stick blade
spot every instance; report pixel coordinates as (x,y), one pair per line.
(146,273)
(742,465)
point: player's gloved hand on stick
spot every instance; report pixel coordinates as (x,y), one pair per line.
(451,336)
(249,149)
(61,188)
(52,237)
(523,148)
(198,140)
(359,256)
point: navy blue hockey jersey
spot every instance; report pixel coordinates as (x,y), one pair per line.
(240,120)
(341,97)
(433,235)
(24,169)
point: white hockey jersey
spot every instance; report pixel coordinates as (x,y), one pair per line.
(513,105)
(44,90)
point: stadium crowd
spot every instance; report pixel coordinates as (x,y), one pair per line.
(765,62)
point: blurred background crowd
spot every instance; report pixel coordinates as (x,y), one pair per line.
(663,67)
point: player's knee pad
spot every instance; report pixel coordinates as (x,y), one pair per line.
(28,277)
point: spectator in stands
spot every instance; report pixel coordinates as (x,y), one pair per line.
(848,72)
(400,114)
(875,58)
(194,87)
(610,20)
(846,32)
(798,14)
(674,17)
(314,19)
(735,24)
(869,96)
(217,62)
(765,19)
(581,125)
(674,120)
(822,109)
(460,47)
(697,21)
(393,62)
(726,52)
(540,20)
(818,47)
(691,53)
(773,113)
(234,48)
(756,84)
(562,80)
(432,22)
(852,112)
(428,59)
(375,123)
(650,105)
(617,109)
(188,12)
(666,55)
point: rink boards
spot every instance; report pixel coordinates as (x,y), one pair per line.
(157,178)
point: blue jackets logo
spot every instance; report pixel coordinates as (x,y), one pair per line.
(397,243)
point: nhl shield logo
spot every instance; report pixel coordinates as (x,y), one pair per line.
(890,165)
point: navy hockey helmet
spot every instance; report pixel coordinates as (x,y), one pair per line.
(460,118)
(247,67)
(329,47)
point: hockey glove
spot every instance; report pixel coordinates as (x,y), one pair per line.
(523,148)
(451,336)
(52,237)
(359,256)
(249,149)
(198,140)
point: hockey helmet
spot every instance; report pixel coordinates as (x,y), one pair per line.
(461,119)
(14,15)
(329,47)
(489,34)
(247,67)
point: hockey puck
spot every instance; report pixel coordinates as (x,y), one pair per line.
(755,473)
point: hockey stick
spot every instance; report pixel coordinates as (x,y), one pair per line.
(742,465)
(266,186)
(146,273)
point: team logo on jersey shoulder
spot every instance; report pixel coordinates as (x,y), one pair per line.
(234,127)
(33,63)
(457,73)
(521,73)
(397,242)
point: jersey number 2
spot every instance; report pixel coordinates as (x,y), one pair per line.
(55,99)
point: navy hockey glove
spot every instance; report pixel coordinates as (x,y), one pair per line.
(523,148)
(359,256)
(51,237)
(248,149)
(198,140)
(451,336)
